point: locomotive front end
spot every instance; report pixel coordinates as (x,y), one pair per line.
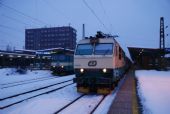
(93,65)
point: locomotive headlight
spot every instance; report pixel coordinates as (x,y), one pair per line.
(81,70)
(104,70)
(62,66)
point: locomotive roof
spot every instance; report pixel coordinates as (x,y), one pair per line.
(101,40)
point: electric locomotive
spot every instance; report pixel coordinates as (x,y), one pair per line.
(62,61)
(99,63)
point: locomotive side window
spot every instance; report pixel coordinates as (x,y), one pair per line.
(84,49)
(116,50)
(103,49)
(120,53)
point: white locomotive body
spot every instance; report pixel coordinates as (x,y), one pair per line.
(99,63)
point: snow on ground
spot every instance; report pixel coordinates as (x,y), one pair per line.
(45,104)
(31,86)
(28,95)
(83,106)
(153,88)
(8,75)
(38,104)
(154,91)
(105,105)
(50,103)
(5,92)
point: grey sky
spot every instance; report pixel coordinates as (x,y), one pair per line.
(135,21)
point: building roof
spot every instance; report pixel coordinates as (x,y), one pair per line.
(167,50)
(136,52)
(52,49)
(61,27)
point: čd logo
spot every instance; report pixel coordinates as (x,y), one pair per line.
(92,63)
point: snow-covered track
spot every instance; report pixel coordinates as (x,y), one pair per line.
(81,98)
(98,104)
(69,104)
(33,93)
(90,103)
(34,90)
(7,85)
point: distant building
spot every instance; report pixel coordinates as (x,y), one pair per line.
(148,58)
(54,37)
(17,58)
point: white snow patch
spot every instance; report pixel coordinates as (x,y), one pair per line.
(154,91)
(5,92)
(9,75)
(45,104)
(84,105)
(105,105)
(50,103)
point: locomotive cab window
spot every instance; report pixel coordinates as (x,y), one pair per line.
(103,49)
(84,49)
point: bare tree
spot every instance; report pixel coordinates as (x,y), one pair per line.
(8,48)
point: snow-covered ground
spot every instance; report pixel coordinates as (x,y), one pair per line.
(153,88)
(154,91)
(9,75)
(49,103)
(9,91)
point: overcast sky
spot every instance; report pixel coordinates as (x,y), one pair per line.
(136,22)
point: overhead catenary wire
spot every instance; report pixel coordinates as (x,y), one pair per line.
(21,13)
(14,29)
(95,14)
(14,19)
(4,43)
(7,34)
(101,4)
(107,17)
(10,28)
(54,9)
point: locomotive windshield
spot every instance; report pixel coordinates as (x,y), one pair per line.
(99,49)
(84,49)
(103,49)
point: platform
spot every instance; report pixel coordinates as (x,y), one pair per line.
(126,101)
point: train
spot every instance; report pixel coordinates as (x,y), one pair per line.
(99,64)
(62,62)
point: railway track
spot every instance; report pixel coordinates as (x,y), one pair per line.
(34,90)
(18,98)
(77,100)
(98,104)
(8,85)
(69,104)
(94,107)
(87,99)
